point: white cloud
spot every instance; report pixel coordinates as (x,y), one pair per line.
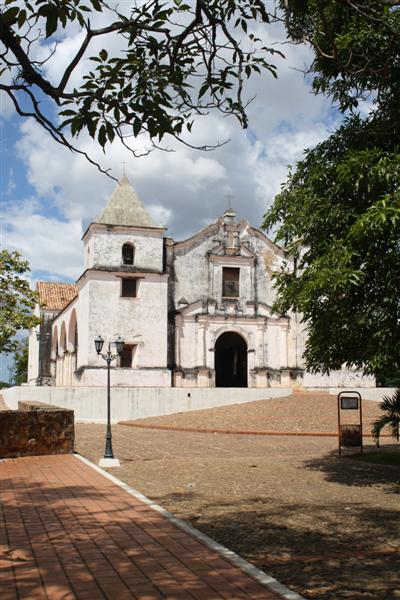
(10,183)
(50,245)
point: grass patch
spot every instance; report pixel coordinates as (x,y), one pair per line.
(381,457)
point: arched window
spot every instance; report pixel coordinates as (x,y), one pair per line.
(127,254)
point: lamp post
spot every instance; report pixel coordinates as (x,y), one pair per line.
(108,460)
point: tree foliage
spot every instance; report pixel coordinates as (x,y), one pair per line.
(339,212)
(20,365)
(17,300)
(173,61)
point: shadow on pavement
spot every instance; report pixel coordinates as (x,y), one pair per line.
(314,555)
(350,471)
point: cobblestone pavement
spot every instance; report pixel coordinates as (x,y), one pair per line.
(327,527)
(67,532)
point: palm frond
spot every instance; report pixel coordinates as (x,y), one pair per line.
(390,405)
(379,424)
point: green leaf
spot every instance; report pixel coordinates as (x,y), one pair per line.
(51,23)
(203,90)
(21,17)
(68,112)
(96,5)
(137,126)
(110,131)
(10,15)
(102,136)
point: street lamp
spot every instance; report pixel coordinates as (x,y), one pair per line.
(108,460)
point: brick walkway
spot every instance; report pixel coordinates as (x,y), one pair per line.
(67,532)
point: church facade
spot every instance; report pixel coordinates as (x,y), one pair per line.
(192,313)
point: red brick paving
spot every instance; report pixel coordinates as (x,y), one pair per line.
(67,532)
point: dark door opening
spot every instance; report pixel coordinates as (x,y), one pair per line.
(230,360)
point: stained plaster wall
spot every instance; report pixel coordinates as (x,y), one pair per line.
(268,260)
(271,341)
(123,377)
(191,272)
(103,248)
(141,320)
(198,276)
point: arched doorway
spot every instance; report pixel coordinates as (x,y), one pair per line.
(230,360)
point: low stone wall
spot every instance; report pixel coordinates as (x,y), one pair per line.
(127,404)
(36,428)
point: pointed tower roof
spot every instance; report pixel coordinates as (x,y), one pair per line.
(124,207)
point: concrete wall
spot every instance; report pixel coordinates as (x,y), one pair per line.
(90,404)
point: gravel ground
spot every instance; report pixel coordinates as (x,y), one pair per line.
(301,413)
(327,527)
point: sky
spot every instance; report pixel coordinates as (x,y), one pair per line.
(49,195)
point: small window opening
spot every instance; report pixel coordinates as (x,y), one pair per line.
(128,288)
(127,356)
(127,254)
(230,282)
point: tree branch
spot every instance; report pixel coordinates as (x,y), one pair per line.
(30,74)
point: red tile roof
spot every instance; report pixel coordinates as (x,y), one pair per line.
(56,296)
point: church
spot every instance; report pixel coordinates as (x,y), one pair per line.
(192,313)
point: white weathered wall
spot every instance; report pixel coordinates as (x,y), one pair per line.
(33,350)
(121,377)
(191,272)
(371,393)
(90,404)
(268,261)
(105,249)
(339,379)
(142,321)
(273,341)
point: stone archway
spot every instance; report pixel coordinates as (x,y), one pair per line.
(230,360)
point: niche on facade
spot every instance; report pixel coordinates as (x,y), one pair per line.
(127,356)
(128,254)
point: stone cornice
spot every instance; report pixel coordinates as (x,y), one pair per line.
(103,227)
(133,273)
(232,259)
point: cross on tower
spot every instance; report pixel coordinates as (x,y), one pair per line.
(123,167)
(229,198)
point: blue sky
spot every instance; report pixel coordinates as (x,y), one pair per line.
(49,195)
